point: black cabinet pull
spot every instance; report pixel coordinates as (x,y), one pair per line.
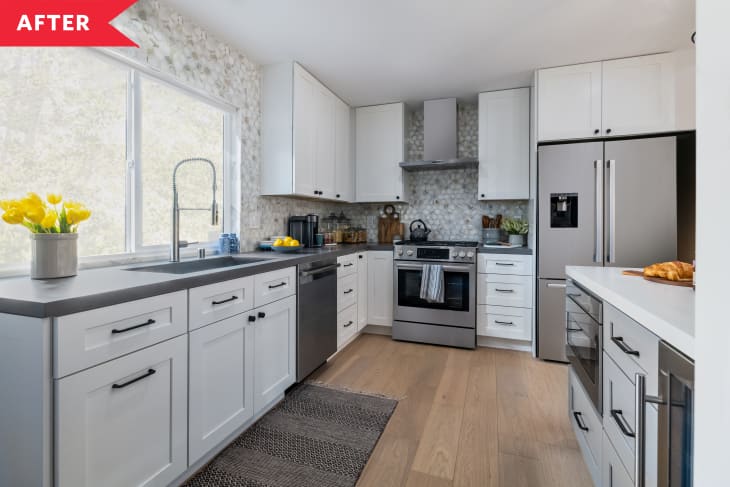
(359,256)
(482,195)
(348,265)
(277,285)
(620,343)
(575,330)
(337,196)
(618,416)
(130,382)
(348,291)
(251,318)
(262,314)
(315,192)
(232,298)
(507,323)
(347,324)
(124,330)
(504,290)
(579,420)
(510,264)
(596,132)
(608,131)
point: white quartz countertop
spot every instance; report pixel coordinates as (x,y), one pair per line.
(667,311)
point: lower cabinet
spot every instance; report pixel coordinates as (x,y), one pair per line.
(380,287)
(221,382)
(613,473)
(275,367)
(587,426)
(124,422)
(362,290)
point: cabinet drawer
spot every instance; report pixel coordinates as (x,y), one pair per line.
(634,348)
(346,291)
(346,325)
(519,265)
(613,472)
(91,337)
(221,300)
(348,265)
(274,285)
(504,290)
(619,411)
(124,422)
(587,426)
(504,322)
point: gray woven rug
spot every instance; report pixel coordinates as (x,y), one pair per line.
(317,436)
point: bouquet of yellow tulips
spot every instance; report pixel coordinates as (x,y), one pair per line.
(39,216)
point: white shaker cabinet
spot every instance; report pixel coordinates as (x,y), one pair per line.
(344,157)
(221,382)
(324,153)
(124,422)
(569,102)
(275,365)
(504,144)
(379,149)
(380,287)
(362,289)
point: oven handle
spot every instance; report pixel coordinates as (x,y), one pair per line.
(448,268)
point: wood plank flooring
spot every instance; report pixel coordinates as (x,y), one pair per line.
(466,418)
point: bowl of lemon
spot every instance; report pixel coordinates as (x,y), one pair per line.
(286,244)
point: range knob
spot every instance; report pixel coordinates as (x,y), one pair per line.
(462,254)
(409,252)
(400,251)
(470,254)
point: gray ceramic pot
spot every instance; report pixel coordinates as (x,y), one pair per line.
(517,240)
(53,255)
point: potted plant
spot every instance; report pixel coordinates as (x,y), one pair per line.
(516,228)
(53,226)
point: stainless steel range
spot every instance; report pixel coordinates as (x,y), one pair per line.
(447,321)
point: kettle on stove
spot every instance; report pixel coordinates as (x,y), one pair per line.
(420,232)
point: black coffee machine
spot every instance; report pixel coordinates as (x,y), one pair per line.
(304,228)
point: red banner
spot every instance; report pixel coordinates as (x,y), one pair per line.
(62,23)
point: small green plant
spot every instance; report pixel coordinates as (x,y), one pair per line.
(515,226)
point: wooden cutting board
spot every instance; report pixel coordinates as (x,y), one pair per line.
(684,283)
(388,227)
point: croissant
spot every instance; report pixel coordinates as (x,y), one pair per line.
(673,271)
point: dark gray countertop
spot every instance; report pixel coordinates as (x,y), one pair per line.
(95,288)
(505,250)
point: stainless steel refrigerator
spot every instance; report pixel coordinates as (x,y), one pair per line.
(611,203)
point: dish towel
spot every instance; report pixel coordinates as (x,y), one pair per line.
(432,283)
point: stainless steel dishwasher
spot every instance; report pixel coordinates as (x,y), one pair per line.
(316,315)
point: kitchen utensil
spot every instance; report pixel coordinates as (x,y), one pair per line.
(498,221)
(419,233)
(389,225)
(681,283)
(485,221)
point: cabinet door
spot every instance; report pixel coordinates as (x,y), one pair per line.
(362,289)
(380,288)
(379,148)
(275,352)
(124,422)
(324,154)
(305,117)
(504,144)
(639,95)
(344,163)
(569,102)
(221,382)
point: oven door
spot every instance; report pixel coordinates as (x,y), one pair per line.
(458,308)
(583,349)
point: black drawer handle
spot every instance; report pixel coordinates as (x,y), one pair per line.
(251,319)
(348,265)
(232,298)
(277,285)
(506,323)
(620,343)
(124,330)
(574,329)
(511,264)
(618,416)
(130,382)
(504,290)
(262,314)
(348,291)
(579,420)
(348,324)
(359,256)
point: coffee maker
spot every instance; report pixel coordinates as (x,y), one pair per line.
(304,228)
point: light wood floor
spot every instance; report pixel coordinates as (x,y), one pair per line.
(465,418)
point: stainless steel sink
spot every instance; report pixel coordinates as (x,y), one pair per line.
(189,266)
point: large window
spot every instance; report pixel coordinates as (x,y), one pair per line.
(102,132)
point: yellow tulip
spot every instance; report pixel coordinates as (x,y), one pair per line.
(49,220)
(13,216)
(33,212)
(54,198)
(71,204)
(76,215)
(8,204)
(34,198)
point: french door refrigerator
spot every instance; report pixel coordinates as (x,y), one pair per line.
(610,203)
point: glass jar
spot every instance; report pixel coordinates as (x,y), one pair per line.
(342,225)
(328,229)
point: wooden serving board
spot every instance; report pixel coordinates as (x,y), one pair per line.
(389,227)
(683,283)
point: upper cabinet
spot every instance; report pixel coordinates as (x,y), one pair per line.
(504,144)
(379,149)
(632,96)
(305,136)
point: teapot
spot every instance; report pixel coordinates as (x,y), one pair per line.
(420,232)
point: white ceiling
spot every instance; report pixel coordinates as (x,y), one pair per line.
(377,51)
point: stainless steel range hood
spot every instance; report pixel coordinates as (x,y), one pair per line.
(439,138)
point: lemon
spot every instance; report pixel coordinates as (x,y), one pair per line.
(293,243)
(279,243)
(287,240)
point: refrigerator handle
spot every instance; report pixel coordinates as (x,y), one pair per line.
(611,211)
(598,220)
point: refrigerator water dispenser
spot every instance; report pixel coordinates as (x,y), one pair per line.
(564,210)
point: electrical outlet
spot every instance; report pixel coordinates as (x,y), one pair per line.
(371,220)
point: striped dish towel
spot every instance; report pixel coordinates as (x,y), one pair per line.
(432,283)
